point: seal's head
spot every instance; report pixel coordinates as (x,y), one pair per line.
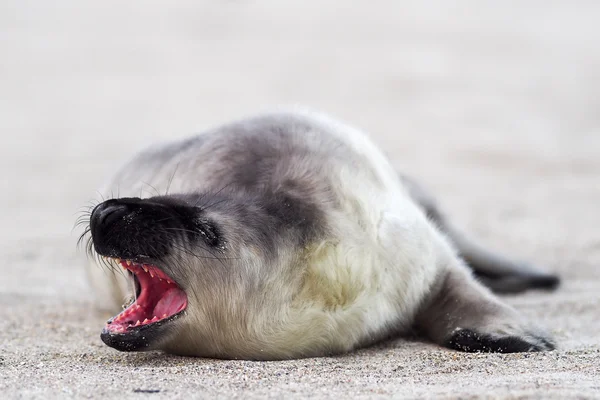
(148,238)
(214,275)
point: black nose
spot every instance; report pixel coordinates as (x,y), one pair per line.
(109,222)
(108,212)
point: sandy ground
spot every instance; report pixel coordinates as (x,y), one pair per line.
(494,105)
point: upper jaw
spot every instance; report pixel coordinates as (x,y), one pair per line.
(142,263)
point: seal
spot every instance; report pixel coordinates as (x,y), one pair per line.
(288,235)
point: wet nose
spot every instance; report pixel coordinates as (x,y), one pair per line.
(108,212)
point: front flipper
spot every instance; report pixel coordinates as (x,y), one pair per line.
(471,341)
(463,315)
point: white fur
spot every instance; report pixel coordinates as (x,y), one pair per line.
(367,280)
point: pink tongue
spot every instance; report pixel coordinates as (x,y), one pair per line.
(171,303)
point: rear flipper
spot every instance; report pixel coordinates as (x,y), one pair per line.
(493,270)
(463,315)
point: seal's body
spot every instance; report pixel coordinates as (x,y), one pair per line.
(290,235)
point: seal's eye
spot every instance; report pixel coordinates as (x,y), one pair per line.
(191,221)
(208,232)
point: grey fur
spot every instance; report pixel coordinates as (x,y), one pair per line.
(322,247)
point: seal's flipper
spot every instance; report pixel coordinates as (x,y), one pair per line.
(500,274)
(505,276)
(463,315)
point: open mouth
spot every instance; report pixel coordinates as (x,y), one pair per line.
(158,299)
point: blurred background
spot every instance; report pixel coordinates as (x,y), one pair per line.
(492,104)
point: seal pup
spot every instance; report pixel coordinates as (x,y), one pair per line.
(289,235)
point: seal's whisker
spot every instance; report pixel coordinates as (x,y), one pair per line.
(211,205)
(100,194)
(152,187)
(83,219)
(171,179)
(187,251)
(214,195)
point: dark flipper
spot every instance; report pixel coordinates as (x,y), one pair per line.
(517,283)
(470,341)
(497,272)
(500,274)
(462,315)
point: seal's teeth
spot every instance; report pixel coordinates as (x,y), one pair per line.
(168,281)
(164,316)
(145,268)
(138,323)
(151,274)
(145,321)
(154,319)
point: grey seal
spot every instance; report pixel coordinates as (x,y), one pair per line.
(289,234)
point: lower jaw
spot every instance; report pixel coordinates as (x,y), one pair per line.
(141,338)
